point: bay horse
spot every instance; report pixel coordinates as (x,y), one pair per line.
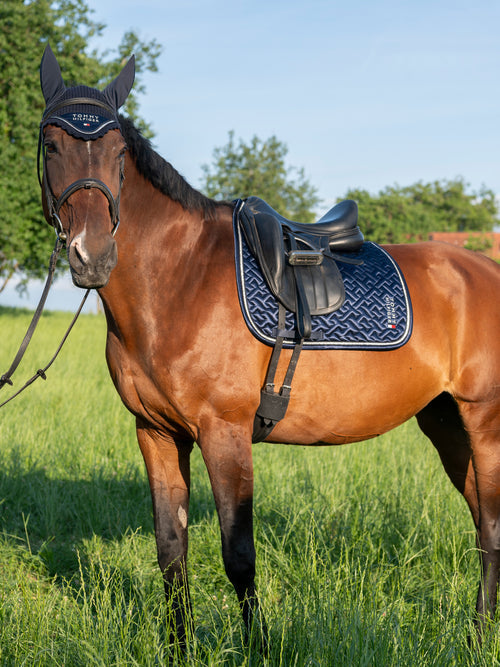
(185,364)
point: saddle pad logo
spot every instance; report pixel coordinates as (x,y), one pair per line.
(376,314)
(390,305)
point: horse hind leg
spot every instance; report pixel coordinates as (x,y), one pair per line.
(482,423)
(441,422)
(468,443)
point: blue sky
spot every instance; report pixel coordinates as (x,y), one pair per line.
(364,94)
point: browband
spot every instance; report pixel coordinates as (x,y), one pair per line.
(78,100)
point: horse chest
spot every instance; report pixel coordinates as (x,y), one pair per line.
(151,388)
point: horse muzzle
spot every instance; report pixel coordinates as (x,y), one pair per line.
(91,269)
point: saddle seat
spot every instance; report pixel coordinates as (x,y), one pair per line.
(298,260)
(338,224)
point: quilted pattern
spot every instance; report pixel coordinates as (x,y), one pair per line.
(376,314)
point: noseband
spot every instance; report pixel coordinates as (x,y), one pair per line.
(55,203)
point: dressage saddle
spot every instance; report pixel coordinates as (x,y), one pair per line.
(299,260)
(299,264)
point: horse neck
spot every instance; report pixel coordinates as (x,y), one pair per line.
(161,246)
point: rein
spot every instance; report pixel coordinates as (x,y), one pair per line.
(41,372)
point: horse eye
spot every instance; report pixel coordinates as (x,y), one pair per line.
(50,148)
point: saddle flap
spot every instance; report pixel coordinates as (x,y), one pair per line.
(268,238)
(265,239)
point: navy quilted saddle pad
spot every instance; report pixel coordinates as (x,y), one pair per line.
(376,314)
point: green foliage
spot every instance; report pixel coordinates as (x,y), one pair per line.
(478,243)
(258,168)
(399,215)
(25,29)
(365,553)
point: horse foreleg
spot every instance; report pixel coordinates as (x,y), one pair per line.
(227,452)
(167,464)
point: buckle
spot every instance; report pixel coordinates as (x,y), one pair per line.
(305,257)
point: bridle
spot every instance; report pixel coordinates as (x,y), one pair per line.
(109,100)
(54,203)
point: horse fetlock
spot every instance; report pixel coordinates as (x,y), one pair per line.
(241,573)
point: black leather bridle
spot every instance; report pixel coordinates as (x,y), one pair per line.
(54,203)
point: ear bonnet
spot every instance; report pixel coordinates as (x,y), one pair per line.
(85,113)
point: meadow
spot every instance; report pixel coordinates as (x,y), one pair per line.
(365,553)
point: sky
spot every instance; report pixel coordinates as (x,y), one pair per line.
(364,94)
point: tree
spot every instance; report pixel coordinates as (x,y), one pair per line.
(25,29)
(241,170)
(397,215)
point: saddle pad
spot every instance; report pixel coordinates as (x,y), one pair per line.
(376,314)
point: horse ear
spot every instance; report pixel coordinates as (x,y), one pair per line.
(117,91)
(50,76)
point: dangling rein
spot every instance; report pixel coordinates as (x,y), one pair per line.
(41,372)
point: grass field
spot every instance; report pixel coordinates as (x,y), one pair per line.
(366,554)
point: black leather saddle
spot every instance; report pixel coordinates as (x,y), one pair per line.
(299,260)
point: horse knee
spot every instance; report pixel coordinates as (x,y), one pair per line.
(240,572)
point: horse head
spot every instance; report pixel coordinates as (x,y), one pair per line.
(82,152)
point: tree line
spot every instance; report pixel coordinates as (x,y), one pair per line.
(393,215)
(238,169)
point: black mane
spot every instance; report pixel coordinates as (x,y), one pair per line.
(161,174)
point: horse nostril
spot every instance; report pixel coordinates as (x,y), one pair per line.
(78,255)
(89,268)
(79,252)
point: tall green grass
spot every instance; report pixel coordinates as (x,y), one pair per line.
(365,553)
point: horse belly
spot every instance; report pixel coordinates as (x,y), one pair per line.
(339,397)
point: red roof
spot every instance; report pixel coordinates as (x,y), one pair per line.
(471,240)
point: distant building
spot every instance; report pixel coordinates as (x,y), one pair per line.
(486,242)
